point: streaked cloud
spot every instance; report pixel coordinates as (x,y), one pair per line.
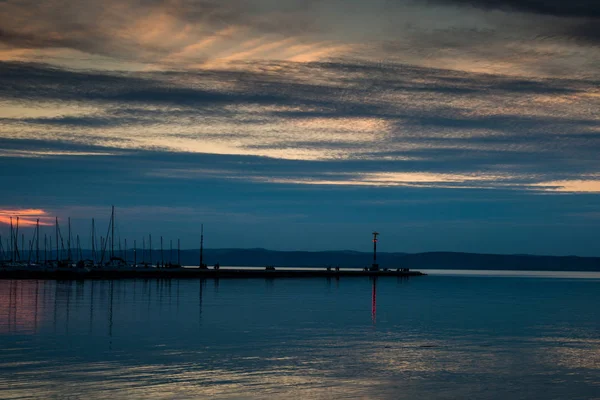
(50,153)
(423,179)
(572,186)
(362,112)
(507,37)
(27,217)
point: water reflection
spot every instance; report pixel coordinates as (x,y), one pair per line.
(374,301)
(201,287)
(20,305)
(110,309)
(442,337)
(60,305)
(92,285)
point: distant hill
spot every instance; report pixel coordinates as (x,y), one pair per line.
(432,260)
(347,258)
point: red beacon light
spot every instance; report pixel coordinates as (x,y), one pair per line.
(374,266)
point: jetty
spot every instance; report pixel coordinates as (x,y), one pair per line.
(183,273)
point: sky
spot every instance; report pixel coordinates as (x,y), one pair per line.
(445,125)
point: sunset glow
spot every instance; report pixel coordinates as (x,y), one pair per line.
(27,217)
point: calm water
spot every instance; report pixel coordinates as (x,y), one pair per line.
(448,336)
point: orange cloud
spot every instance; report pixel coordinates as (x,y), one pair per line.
(575,186)
(320,53)
(27,216)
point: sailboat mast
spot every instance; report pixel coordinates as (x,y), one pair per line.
(201,244)
(11,249)
(93,243)
(112,238)
(17,241)
(69,241)
(79,255)
(56,239)
(17,256)
(37,241)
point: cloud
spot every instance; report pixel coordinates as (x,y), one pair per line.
(513,181)
(588,31)
(409,119)
(26,217)
(553,19)
(50,153)
(179,34)
(415,179)
(572,186)
(558,8)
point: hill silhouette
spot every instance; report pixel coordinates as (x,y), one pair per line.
(430,260)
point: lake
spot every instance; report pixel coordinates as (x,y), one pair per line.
(449,335)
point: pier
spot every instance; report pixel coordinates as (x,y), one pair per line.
(183,273)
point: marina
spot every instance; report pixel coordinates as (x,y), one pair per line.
(110,261)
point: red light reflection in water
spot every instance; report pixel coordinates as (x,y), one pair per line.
(374,302)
